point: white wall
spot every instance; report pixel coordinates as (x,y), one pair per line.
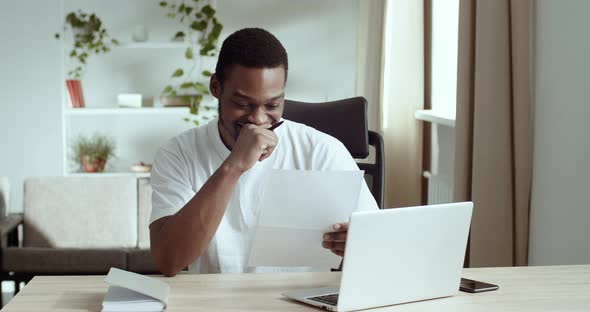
(30,116)
(320,37)
(560,216)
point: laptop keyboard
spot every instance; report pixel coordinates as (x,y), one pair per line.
(329,299)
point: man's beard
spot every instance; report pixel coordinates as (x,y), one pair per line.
(232,130)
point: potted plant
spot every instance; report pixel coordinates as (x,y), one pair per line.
(201,30)
(92,153)
(90,37)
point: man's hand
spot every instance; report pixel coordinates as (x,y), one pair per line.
(336,240)
(255,143)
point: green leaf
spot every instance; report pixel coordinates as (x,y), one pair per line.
(73,53)
(177,73)
(186,85)
(188,10)
(115,41)
(181,8)
(186,119)
(189,53)
(171,15)
(207,73)
(173,93)
(168,89)
(217,27)
(194,109)
(199,25)
(196,122)
(163,3)
(198,15)
(207,47)
(179,34)
(201,88)
(208,11)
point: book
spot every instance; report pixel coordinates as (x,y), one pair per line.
(134,292)
(75,91)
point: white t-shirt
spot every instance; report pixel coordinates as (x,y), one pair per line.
(186,162)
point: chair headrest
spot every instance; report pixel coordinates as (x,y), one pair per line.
(345,120)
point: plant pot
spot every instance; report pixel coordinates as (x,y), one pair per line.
(91,167)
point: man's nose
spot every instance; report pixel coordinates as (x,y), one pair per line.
(258,117)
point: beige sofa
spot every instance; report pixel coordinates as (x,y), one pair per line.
(78,225)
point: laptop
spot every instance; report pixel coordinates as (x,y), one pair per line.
(396,256)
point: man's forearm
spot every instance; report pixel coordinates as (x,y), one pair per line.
(184,236)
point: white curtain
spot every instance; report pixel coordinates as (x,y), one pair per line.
(402,94)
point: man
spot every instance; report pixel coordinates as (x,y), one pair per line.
(206,180)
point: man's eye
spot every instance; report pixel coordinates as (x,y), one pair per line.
(243,105)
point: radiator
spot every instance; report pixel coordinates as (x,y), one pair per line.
(440,189)
(442,164)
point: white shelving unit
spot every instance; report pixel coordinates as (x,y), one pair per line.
(130,67)
(126,111)
(152,45)
(138,133)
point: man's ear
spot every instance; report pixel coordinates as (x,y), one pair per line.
(215,86)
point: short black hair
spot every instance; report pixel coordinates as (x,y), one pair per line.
(251,47)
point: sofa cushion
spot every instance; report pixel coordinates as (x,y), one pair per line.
(141,261)
(144,191)
(80,212)
(67,260)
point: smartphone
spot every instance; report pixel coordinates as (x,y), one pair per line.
(476,286)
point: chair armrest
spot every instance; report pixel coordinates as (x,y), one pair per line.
(8,229)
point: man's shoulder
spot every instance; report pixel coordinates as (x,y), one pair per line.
(186,140)
(313,136)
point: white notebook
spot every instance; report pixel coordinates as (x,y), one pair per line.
(134,292)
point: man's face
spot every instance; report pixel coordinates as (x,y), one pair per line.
(249,95)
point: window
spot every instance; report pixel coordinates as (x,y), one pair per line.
(445,34)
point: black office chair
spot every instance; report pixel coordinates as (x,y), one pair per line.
(345,120)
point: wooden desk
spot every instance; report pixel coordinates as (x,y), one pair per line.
(558,288)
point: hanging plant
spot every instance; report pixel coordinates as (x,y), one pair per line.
(90,37)
(200,31)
